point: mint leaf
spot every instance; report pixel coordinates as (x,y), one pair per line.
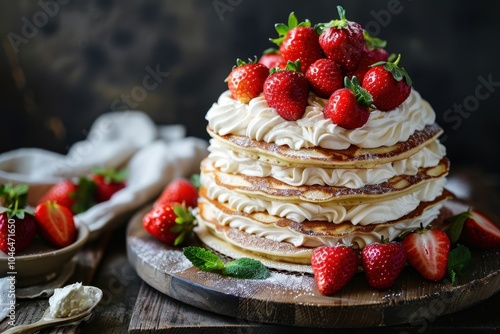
(457,223)
(246,268)
(458,262)
(203,259)
(240,268)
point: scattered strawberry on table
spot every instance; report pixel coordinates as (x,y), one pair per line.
(179,190)
(382,263)
(333,267)
(171,220)
(428,250)
(474,229)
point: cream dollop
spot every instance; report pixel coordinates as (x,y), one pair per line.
(363,214)
(71,300)
(238,163)
(258,121)
(358,239)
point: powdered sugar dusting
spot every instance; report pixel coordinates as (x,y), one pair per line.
(157,255)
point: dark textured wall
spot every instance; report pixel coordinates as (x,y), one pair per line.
(64,63)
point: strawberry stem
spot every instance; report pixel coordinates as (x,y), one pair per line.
(398,73)
(283,29)
(363,98)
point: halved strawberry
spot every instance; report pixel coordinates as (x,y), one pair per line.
(55,224)
(428,251)
(333,267)
(474,229)
(179,190)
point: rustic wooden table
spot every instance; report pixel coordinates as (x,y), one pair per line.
(131,306)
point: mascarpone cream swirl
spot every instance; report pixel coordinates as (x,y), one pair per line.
(258,121)
(363,214)
(237,163)
(296,238)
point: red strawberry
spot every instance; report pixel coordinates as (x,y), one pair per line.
(56,224)
(63,193)
(427,251)
(78,197)
(382,263)
(298,41)
(342,41)
(384,81)
(246,80)
(373,52)
(348,107)
(17,236)
(169,222)
(271,59)
(179,190)
(108,182)
(324,77)
(479,232)
(333,267)
(287,92)
(17,224)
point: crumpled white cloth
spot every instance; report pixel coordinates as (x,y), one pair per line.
(152,156)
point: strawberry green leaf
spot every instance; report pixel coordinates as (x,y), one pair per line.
(373,42)
(398,73)
(456,225)
(111,175)
(246,268)
(195,180)
(283,29)
(85,195)
(203,259)
(458,262)
(362,96)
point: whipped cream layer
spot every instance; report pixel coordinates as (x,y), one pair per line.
(237,163)
(363,214)
(359,240)
(258,121)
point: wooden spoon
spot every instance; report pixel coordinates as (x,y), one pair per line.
(48,320)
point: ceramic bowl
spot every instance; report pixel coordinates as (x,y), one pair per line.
(41,263)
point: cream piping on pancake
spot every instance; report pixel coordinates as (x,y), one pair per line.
(260,122)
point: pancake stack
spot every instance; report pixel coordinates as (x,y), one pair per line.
(278,184)
(271,200)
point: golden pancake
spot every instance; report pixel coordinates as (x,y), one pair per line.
(352,157)
(285,252)
(268,188)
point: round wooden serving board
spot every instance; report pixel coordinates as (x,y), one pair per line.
(293,299)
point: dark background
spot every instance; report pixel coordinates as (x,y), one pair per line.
(84,57)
